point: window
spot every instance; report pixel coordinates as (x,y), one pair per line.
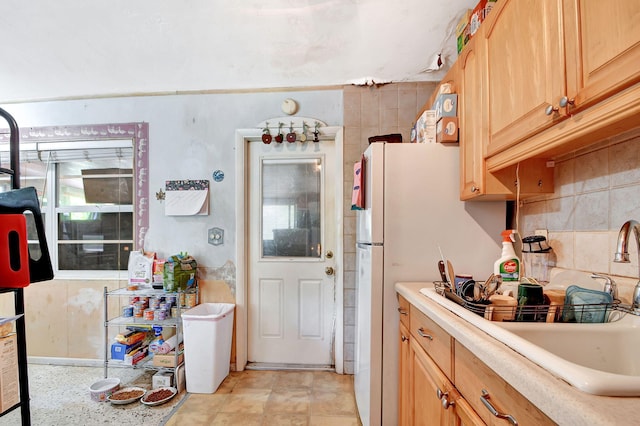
(92,184)
(291,200)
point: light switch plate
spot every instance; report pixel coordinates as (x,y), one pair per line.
(216,236)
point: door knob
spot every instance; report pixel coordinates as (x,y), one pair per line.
(329,270)
(329,254)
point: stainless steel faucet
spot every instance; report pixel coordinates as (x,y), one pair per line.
(622,253)
(610,285)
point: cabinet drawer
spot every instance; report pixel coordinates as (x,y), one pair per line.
(403,309)
(472,377)
(434,340)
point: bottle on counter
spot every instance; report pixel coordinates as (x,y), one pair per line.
(508,265)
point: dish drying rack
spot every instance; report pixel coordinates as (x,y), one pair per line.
(554,312)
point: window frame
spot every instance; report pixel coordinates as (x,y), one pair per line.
(138,133)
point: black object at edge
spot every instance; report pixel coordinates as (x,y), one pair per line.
(21,337)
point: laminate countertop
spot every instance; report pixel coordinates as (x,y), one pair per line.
(563,403)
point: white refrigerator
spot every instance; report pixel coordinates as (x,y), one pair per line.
(412,211)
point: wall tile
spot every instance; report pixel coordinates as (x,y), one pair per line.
(564,178)
(563,247)
(593,173)
(625,205)
(348,367)
(349,351)
(350,316)
(388,118)
(592,252)
(592,211)
(349,297)
(532,217)
(349,261)
(349,279)
(560,214)
(349,333)
(623,163)
(389,97)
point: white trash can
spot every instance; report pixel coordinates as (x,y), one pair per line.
(208,329)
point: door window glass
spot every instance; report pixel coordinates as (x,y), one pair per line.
(291,207)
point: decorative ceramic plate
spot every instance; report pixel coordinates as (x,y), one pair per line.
(127,395)
(159,396)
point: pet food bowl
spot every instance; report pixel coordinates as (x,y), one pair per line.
(102,389)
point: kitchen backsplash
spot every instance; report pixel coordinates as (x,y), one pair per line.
(596,190)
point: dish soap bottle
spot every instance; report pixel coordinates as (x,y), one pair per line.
(508,266)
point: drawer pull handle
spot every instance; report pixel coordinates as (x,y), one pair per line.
(444,399)
(485,400)
(404,338)
(403,311)
(423,334)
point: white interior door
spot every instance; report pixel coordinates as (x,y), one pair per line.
(292,242)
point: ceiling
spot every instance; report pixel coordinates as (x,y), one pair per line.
(76,48)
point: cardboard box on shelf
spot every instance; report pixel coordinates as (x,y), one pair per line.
(462,30)
(169,360)
(447,130)
(446,105)
(426,127)
(136,356)
(478,15)
(119,351)
(162,379)
(9,380)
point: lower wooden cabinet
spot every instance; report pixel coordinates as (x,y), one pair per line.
(473,395)
(488,394)
(430,388)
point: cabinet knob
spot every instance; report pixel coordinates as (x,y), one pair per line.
(403,311)
(404,338)
(475,189)
(550,109)
(444,399)
(564,101)
(485,400)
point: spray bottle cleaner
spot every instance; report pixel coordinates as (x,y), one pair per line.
(508,266)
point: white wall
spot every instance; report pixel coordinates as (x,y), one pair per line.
(190,136)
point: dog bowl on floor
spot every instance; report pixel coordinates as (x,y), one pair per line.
(102,389)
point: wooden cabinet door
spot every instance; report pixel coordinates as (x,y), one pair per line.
(473,128)
(465,415)
(404,380)
(525,66)
(475,181)
(427,381)
(603,48)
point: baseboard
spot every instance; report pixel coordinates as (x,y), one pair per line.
(292,367)
(74,362)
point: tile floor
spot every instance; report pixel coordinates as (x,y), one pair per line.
(274,398)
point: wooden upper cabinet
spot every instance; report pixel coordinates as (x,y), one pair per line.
(603,48)
(526,69)
(473,129)
(475,182)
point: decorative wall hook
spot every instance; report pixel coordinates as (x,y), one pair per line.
(160,195)
(316,132)
(266,134)
(303,135)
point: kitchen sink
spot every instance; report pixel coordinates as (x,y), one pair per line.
(601,359)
